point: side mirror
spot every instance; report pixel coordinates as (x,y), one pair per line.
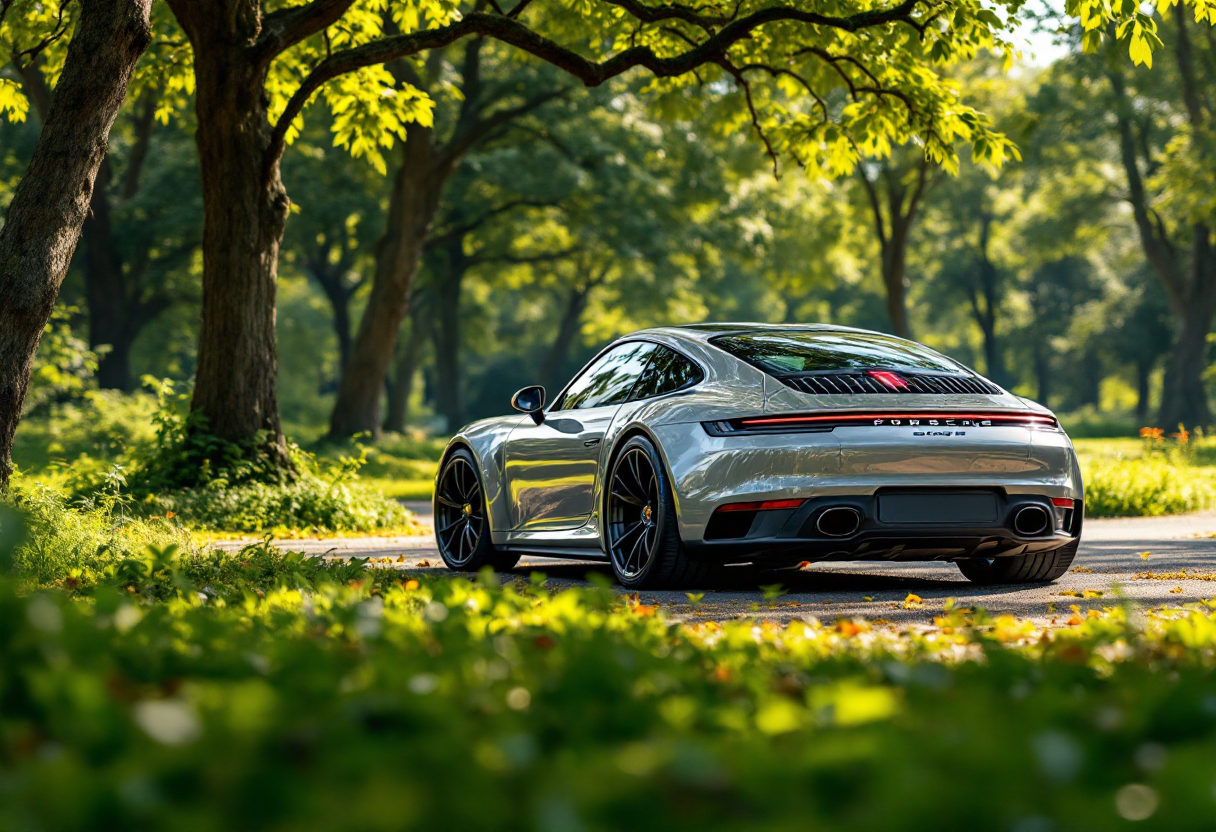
(531,400)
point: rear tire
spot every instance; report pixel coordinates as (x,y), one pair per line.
(462,524)
(1038,567)
(641,529)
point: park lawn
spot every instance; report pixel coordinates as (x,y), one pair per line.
(400,467)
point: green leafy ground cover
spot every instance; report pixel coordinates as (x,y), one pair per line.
(148,683)
(1138,477)
(378,702)
(134,448)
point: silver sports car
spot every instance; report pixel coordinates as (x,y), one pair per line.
(682,449)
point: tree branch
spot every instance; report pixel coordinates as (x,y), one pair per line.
(520,260)
(286,27)
(879,224)
(448,234)
(144,123)
(592,73)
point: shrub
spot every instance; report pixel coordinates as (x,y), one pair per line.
(314,502)
(50,544)
(454,705)
(1139,487)
(212,484)
(73,546)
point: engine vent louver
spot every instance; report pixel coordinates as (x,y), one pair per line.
(856,383)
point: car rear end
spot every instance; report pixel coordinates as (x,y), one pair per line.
(871,447)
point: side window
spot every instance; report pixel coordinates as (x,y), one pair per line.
(609,380)
(668,371)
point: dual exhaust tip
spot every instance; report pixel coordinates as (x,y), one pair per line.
(839,521)
(844,521)
(1031,520)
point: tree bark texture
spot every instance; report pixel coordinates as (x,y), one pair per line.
(44,219)
(245,210)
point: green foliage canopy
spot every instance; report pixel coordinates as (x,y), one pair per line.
(821,83)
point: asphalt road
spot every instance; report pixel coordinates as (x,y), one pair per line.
(1180,567)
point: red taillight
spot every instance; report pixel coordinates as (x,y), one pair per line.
(1062,502)
(907,419)
(888,379)
(767,505)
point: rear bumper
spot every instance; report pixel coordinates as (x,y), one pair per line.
(846,464)
(793,535)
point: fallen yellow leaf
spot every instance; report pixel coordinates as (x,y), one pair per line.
(913,601)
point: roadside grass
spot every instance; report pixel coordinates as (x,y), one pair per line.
(108,445)
(1147,477)
(264,690)
(402,467)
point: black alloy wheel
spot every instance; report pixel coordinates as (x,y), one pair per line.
(641,530)
(461,527)
(633,508)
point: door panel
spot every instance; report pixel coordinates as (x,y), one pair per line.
(551,468)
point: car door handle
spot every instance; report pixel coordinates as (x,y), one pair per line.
(591,443)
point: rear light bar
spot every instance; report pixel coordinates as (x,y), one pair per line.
(766,505)
(1062,502)
(922,419)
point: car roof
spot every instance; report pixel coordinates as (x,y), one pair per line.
(703,332)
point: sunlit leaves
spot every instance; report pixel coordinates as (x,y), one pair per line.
(370,113)
(1134,23)
(13,103)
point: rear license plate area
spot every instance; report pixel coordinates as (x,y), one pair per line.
(939,509)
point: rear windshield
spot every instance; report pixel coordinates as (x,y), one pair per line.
(781,353)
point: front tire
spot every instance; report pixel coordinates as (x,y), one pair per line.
(640,525)
(462,526)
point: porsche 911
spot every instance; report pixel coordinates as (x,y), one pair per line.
(677,451)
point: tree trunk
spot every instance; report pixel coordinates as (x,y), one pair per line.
(412,206)
(43,223)
(1184,398)
(105,289)
(244,212)
(1042,370)
(449,398)
(894,263)
(994,361)
(1144,371)
(402,385)
(568,328)
(331,282)
(1090,387)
